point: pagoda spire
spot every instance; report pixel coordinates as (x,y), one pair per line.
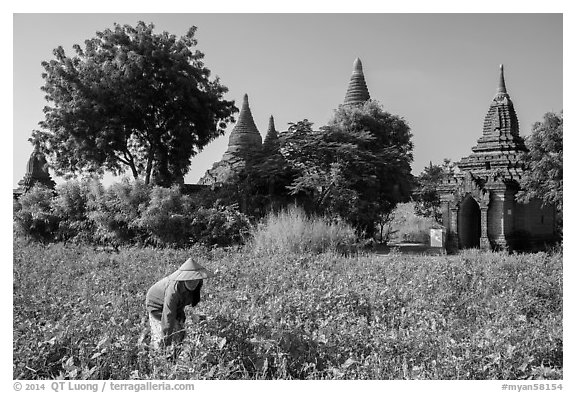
(271,126)
(501,91)
(272,134)
(500,145)
(245,120)
(357,92)
(245,134)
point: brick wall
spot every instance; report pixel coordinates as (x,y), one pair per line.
(509,212)
(495,212)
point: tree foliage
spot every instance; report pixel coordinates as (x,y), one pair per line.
(115,211)
(131,100)
(126,213)
(326,161)
(71,207)
(426,197)
(543,178)
(357,167)
(261,185)
(33,214)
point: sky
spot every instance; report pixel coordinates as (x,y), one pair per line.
(437,71)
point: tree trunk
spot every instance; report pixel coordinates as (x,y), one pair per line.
(134,171)
(149,166)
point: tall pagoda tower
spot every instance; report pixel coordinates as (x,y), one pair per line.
(245,135)
(478,204)
(244,139)
(500,145)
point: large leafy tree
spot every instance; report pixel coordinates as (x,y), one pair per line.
(326,162)
(426,196)
(357,167)
(131,100)
(543,178)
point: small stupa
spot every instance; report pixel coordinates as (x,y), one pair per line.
(36,172)
(271,134)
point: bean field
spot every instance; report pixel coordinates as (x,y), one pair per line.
(79,314)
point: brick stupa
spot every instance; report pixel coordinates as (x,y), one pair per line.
(357,93)
(244,139)
(271,134)
(245,135)
(36,173)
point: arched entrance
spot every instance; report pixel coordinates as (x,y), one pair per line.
(469,223)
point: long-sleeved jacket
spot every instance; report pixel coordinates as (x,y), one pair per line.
(166,300)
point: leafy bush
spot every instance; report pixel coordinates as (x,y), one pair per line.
(167,218)
(71,207)
(128,212)
(115,211)
(219,225)
(292,230)
(33,215)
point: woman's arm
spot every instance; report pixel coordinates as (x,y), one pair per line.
(170,311)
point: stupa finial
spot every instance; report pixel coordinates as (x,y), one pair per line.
(357,65)
(501,91)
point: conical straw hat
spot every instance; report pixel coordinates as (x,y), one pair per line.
(191,270)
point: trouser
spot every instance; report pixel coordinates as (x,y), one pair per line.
(156,334)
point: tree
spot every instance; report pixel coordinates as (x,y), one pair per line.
(324,161)
(261,185)
(426,197)
(543,177)
(131,100)
(390,180)
(357,167)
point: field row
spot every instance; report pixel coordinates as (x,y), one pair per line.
(79,314)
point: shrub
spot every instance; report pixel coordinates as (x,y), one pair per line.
(33,215)
(219,225)
(291,230)
(115,211)
(71,207)
(167,218)
(128,212)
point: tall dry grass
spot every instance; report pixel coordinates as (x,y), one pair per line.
(293,231)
